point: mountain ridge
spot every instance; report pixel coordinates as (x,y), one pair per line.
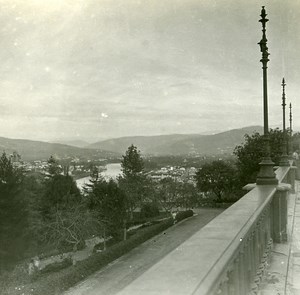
(38,150)
(157,145)
(178,144)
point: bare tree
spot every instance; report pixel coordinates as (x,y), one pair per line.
(70,227)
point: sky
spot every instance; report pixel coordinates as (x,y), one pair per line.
(94,69)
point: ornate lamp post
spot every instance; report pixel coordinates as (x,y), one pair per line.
(291,132)
(284,158)
(266,174)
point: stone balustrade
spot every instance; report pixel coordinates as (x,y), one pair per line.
(230,254)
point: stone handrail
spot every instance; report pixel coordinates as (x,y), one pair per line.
(229,255)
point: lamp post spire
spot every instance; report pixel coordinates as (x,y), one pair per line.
(264,60)
(283,104)
(291,132)
(266,174)
(284,157)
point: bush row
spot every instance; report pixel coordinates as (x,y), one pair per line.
(58,282)
(139,219)
(184,214)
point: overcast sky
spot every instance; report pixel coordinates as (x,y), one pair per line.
(91,69)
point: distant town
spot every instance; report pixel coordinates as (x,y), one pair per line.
(82,168)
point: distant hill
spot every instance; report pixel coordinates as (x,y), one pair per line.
(76,143)
(174,144)
(38,150)
(179,144)
(147,144)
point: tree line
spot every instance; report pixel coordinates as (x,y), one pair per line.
(223,180)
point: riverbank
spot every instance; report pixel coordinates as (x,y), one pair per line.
(113,170)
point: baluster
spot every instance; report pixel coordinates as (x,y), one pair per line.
(242,268)
(231,286)
(236,278)
(252,246)
(248,263)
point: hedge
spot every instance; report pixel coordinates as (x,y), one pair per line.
(56,283)
(183,214)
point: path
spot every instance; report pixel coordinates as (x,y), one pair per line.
(124,270)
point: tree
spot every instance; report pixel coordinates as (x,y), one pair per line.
(58,206)
(32,191)
(188,197)
(217,177)
(251,152)
(294,141)
(132,163)
(69,227)
(13,213)
(168,193)
(61,192)
(53,168)
(133,182)
(108,202)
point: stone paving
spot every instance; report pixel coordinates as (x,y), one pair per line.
(283,274)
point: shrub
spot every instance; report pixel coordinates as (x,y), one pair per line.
(56,266)
(109,243)
(149,210)
(183,214)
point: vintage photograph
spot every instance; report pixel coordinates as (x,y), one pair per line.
(149,147)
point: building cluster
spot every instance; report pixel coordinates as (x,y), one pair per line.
(179,174)
(74,168)
(35,166)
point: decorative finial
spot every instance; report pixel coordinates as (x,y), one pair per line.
(283,93)
(263,41)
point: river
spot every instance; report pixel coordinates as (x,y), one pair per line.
(112,171)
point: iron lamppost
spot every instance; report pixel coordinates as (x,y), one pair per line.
(291,133)
(266,174)
(284,158)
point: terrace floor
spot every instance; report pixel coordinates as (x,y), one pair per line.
(283,274)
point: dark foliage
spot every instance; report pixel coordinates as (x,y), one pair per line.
(108,201)
(13,213)
(149,210)
(61,191)
(250,154)
(132,162)
(218,178)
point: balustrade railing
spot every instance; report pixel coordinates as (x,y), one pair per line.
(230,254)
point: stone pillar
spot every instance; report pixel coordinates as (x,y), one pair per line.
(291,178)
(279,208)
